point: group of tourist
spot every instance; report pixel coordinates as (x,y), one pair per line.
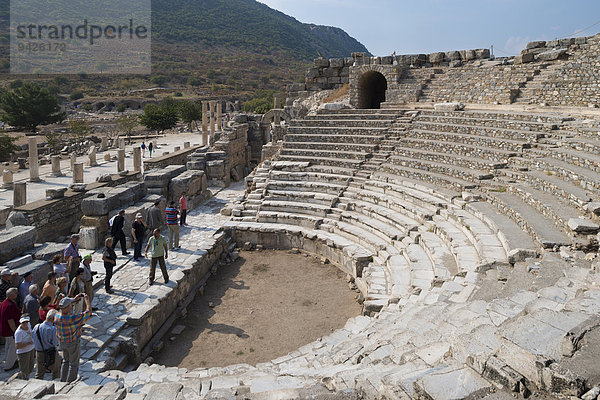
(45,328)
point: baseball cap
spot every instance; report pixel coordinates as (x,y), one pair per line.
(5,272)
(87,257)
(24,318)
(66,302)
(138,215)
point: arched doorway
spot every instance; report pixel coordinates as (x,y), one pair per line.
(371,90)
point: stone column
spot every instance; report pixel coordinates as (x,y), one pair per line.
(92,157)
(186,145)
(122,143)
(7,179)
(34,162)
(212,120)
(120,160)
(78,172)
(20,194)
(276,102)
(137,159)
(204,123)
(219,116)
(56,166)
(104,143)
(73,161)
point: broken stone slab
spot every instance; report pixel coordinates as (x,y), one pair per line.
(451,383)
(15,241)
(17,262)
(519,255)
(447,107)
(16,219)
(78,187)
(53,194)
(192,182)
(49,250)
(584,226)
(524,58)
(332,106)
(101,201)
(88,237)
(593,207)
(536,44)
(552,54)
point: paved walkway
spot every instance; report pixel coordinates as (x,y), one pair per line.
(130,282)
(37,191)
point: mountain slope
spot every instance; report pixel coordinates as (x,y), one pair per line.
(247,24)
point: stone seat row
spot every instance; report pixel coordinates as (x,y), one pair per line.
(498,121)
(511,133)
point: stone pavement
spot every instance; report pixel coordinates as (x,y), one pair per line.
(130,283)
(37,191)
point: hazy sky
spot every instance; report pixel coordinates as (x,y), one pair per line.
(424,26)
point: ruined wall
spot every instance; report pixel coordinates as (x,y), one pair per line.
(59,217)
(561,72)
(176,158)
(573,82)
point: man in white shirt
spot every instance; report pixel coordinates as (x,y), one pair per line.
(25,348)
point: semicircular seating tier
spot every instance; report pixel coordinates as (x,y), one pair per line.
(450,226)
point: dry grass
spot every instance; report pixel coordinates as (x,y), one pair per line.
(337,94)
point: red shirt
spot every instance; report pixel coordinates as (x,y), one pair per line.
(8,310)
(43,313)
(183,202)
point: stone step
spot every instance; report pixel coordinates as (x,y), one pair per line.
(551,207)
(321,187)
(329,161)
(318,146)
(430,177)
(464,161)
(320,138)
(336,130)
(551,183)
(528,218)
(510,234)
(295,207)
(323,153)
(307,197)
(498,115)
(459,149)
(528,128)
(483,130)
(486,141)
(326,122)
(442,168)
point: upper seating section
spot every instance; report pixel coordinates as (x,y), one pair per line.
(481,82)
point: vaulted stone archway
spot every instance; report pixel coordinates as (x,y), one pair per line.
(372,87)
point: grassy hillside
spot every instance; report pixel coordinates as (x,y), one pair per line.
(210,47)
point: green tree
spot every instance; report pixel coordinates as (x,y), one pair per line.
(189,112)
(29,106)
(159,118)
(7,146)
(127,123)
(261,103)
(78,128)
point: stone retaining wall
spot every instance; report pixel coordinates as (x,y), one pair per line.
(146,319)
(176,158)
(59,217)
